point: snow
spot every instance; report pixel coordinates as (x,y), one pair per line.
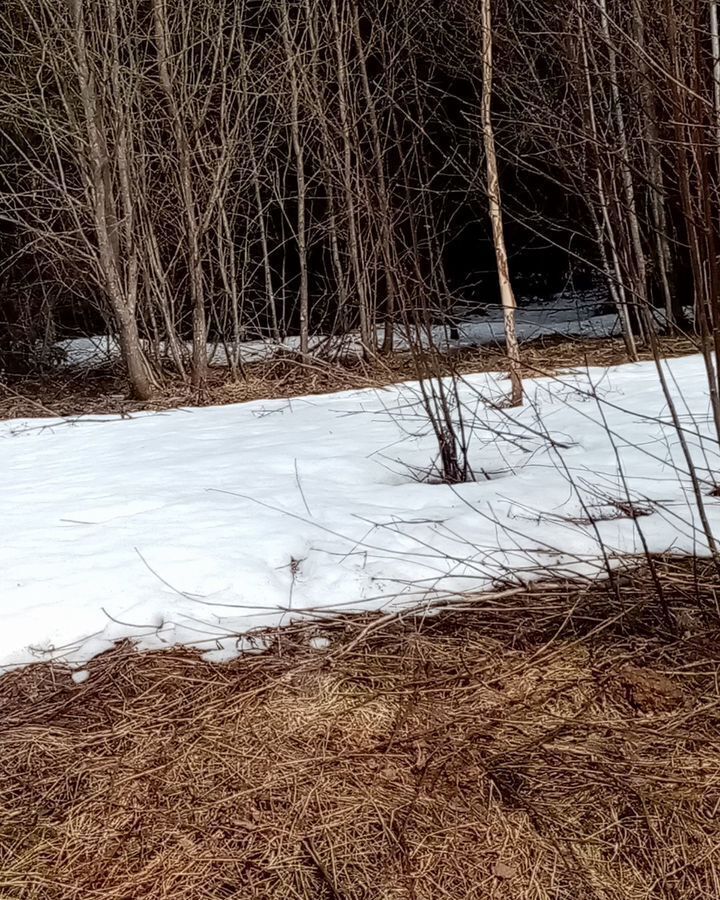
(569,314)
(199,526)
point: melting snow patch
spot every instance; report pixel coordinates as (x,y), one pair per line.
(182,528)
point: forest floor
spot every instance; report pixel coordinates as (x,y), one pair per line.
(81,390)
(555,743)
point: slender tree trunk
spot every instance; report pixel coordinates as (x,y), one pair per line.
(122,302)
(385,222)
(685,148)
(299,154)
(507,295)
(137,365)
(367,339)
(187,193)
(640,279)
(715,49)
(341,314)
(657,180)
(261,210)
(604,223)
(227,268)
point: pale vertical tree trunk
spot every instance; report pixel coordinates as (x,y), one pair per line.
(187,193)
(367,339)
(269,289)
(327,165)
(715,48)
(507,295)
(617,288)
(299,153)
(640,286)
(255,164)
(385,222)
(227,266)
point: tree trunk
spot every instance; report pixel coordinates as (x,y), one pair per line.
(299,154)
(640,285)
(187,194)
(385,221)
(135,361)
(603,224)
(715,48)
(657,180)
(366,337)
(507,295)
(122,297)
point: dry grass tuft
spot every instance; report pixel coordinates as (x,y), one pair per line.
(553,744)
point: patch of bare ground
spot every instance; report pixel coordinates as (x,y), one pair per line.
(556,742)
(104,390)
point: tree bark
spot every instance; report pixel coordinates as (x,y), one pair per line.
(367,339)
(301,185)
(385,220)
(657,180)
(507,294)
(122,301)
(715,48)
(603,223)
(187,194)
(640,280)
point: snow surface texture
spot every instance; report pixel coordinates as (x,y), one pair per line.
(569,315)
(198,526)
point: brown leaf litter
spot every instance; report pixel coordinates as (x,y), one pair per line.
(104,390)
(562,743)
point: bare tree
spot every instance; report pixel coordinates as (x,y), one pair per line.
(212,171)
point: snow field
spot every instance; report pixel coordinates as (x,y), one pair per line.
(197,526)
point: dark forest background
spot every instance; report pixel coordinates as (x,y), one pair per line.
(174,172)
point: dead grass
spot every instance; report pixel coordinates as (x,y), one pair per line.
(105,390)
(554,743)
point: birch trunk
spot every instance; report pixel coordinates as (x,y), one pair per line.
(507,295)
(715,49)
